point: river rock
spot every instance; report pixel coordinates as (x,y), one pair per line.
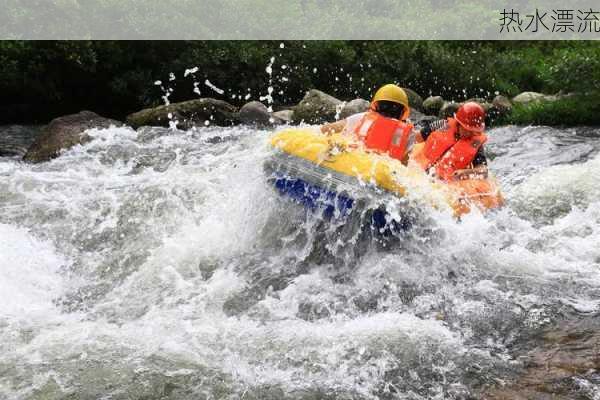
(565,358)
(414,99)
(433,104)
(418,118)
(285,116)
(355,106)
(481,101)
(529,97)
(205,111)
(63,133)
(255,113)
(502,104)
(316,108)
(448,109)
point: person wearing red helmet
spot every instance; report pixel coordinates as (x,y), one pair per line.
(453,149)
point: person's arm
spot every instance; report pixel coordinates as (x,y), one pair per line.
(333,127)
(423,134)
(428,127)
(479,170)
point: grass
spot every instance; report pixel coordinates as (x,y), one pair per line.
(571,111)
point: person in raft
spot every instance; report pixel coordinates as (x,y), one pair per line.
(384,127)
(452,149)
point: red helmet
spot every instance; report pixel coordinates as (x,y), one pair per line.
(471,116)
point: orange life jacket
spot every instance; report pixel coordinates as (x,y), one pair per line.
(446,152)
(386,135)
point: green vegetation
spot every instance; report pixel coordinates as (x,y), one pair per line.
(576,110)
(41,80)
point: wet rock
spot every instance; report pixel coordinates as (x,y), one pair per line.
(501,105)
(529,97)
(316,108)
(285,116)
(255,113)
(482,102)
(564,95)
(417,118)
(433,104)
(355,106)
(189,113)
(63,133)
(448,109)
(566,360)
(414,99)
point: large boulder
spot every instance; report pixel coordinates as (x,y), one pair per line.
(418,118)
(205,111)
(414,99)
(563,356)
(530,97)
(448,109)
(255,113)
(63,133)
(433,104)
(501,105)
(285,116)
(316,108)
(355,106)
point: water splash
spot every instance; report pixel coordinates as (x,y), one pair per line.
(161,261)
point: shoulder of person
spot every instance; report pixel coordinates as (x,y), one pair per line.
(355,117)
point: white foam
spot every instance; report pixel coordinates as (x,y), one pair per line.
(29,273)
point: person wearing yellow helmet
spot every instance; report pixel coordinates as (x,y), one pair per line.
(384,127)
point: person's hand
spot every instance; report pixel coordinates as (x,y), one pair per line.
(333,127)
(426,129)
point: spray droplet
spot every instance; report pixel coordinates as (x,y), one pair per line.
(190,71)
(213,87)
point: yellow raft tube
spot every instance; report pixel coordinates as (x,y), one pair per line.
(342,155)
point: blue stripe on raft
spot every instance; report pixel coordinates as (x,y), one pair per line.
(332,203)
(312,196)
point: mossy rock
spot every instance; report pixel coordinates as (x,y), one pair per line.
(206,111)
(63,133)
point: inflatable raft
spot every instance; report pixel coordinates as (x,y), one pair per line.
(334,173)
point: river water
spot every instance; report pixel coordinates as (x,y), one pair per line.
(160,264)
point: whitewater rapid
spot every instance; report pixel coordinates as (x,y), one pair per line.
(161,264)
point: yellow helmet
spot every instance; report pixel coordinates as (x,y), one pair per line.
(393,93)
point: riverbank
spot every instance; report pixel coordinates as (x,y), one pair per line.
(45,80)
(316,107)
